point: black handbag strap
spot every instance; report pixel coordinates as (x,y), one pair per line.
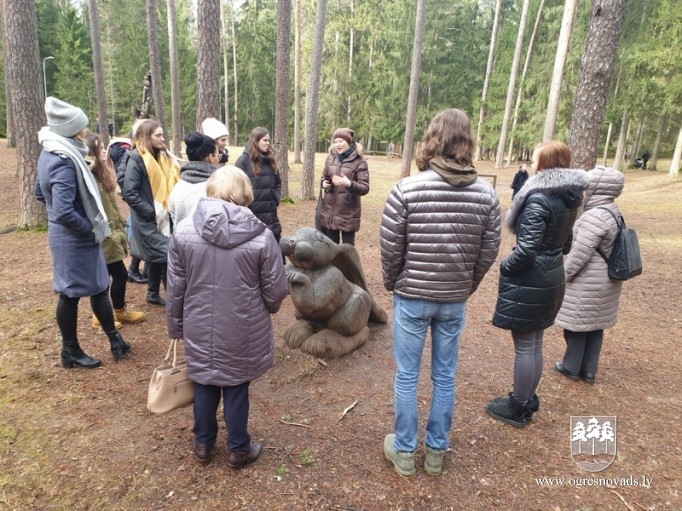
(620,225)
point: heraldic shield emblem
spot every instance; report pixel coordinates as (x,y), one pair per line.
(593,442)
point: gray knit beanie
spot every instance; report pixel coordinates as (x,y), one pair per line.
(64,119)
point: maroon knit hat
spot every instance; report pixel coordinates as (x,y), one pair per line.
(343,134)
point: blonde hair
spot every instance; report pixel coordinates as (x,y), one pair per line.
(231,184)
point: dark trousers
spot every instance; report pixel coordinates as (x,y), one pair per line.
(348,238)
(67,315)
(235,413)
(156,273)
(582,351)
(527,363)
(119,280)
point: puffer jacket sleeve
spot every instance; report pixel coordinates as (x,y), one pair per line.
(590,229)
(393,238)
(490,245)
(175,292)
(532,226)
(361,182)
(273,278)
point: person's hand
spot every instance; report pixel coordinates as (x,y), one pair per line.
(340,181)
(326,184)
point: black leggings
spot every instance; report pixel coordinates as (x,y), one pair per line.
(67,315)
(527,363)
(119,280)
(348,238)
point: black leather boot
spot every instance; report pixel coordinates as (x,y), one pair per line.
(73,355)
(119,348)
(154,284)
(533,404)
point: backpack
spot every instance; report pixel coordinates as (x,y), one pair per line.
(625,261)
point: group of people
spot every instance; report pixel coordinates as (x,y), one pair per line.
(210,233)
(440,234)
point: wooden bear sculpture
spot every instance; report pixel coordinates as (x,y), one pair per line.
(328,289)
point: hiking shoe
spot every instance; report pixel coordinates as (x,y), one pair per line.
(127,315)
(403,462)
(96,323)
(433,460)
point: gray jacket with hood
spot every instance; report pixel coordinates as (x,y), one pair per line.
(591,298)
(440,233)
(225,279)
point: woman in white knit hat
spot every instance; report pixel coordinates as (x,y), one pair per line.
(77,225)
(215,129)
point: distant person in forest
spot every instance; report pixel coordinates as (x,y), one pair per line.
(520,179)
(215,129)
(389,150)
(345,179)
(77,226)
(645,158)
(259,163)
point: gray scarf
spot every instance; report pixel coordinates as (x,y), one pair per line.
(87,186)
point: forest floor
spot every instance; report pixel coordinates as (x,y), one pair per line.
(84,440)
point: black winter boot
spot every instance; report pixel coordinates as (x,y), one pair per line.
(73,355)
(533,404)
(154,284)
(119,348)
(509,411)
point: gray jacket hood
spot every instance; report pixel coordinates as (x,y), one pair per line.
(225,224)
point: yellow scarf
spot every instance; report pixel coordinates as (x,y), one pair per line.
(163,174)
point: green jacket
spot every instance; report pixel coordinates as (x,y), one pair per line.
(115,246)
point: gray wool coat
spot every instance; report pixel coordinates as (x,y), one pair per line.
(591,299)
(78,266)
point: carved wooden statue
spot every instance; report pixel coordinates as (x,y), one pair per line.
(329,291)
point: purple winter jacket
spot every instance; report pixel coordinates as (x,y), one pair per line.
(225,278)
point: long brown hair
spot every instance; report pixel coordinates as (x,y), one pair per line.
(552,155)
(104,173)
(255,153)
(449,136)
(142,139)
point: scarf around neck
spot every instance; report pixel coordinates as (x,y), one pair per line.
(87,186)
(162,174)
(454,173)
(196,171)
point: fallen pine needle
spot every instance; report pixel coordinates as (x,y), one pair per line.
(295,424)
(624,501)
(348,409)
(322,362)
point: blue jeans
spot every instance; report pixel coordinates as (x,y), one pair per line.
(411,320)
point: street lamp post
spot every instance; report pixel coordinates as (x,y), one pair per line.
(45,76)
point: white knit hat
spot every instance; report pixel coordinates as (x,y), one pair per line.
(64,119)
(215,129)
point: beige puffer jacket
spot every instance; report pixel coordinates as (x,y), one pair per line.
(591,299)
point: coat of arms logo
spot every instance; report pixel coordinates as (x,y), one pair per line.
(593,442)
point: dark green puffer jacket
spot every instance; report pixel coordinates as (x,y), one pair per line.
(531,286)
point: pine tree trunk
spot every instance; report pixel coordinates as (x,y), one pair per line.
(283,59)
(558,74)
(9,130)
(21,40)
(297,82)
(208,60)
(408,146)
(675,163)
(596,70)
(638,142)
(155,62)
(174,79)
(486,81)
(226,61)
(657,144)
(523,78)
(234,73)
(103,120)
(312,104)
(606,144)
(622,140)
(512,85)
